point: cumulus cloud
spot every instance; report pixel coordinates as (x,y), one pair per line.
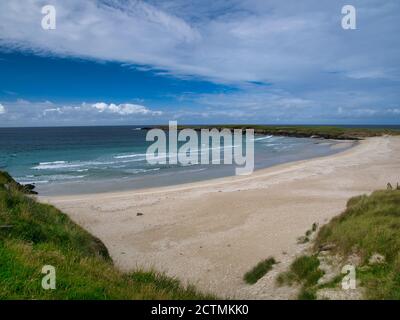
(2,109)
(23,112)
(124,109)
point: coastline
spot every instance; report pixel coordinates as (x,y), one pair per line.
(340,147)
(133,173)
(211,232)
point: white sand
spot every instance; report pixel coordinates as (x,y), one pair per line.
(210,233)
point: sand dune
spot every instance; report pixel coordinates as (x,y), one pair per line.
(210,233)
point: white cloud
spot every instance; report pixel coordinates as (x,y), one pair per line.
(250,40)
(24,112)
(394,111)
(124,109)
(2,109)
(312,66)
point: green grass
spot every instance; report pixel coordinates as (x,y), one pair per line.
(370,224)
(8,181)
(33,235)
(328,132)
(259,270)
(307,293)
(305,271)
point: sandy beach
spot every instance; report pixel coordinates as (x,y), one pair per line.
(210,233)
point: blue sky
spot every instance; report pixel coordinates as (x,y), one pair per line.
(147,62)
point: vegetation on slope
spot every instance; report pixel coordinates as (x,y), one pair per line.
(369,228)
(259,270)
(7,181)
(327,132)
(33,235)
(304,271)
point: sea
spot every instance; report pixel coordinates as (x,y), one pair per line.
(75,160)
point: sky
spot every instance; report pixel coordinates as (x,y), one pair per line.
(119,62)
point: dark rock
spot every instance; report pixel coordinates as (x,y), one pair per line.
(29,186)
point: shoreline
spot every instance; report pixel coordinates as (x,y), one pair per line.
(340,147)
(180,175)
(210,233)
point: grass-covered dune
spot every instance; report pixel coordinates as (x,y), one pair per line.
(327,132)
(368,231)
(370,228)
(33,235)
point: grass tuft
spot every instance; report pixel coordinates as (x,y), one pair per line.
(303,270)
(259,270)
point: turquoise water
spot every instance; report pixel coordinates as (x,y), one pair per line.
(97,159)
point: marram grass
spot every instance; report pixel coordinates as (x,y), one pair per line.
(257,272)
